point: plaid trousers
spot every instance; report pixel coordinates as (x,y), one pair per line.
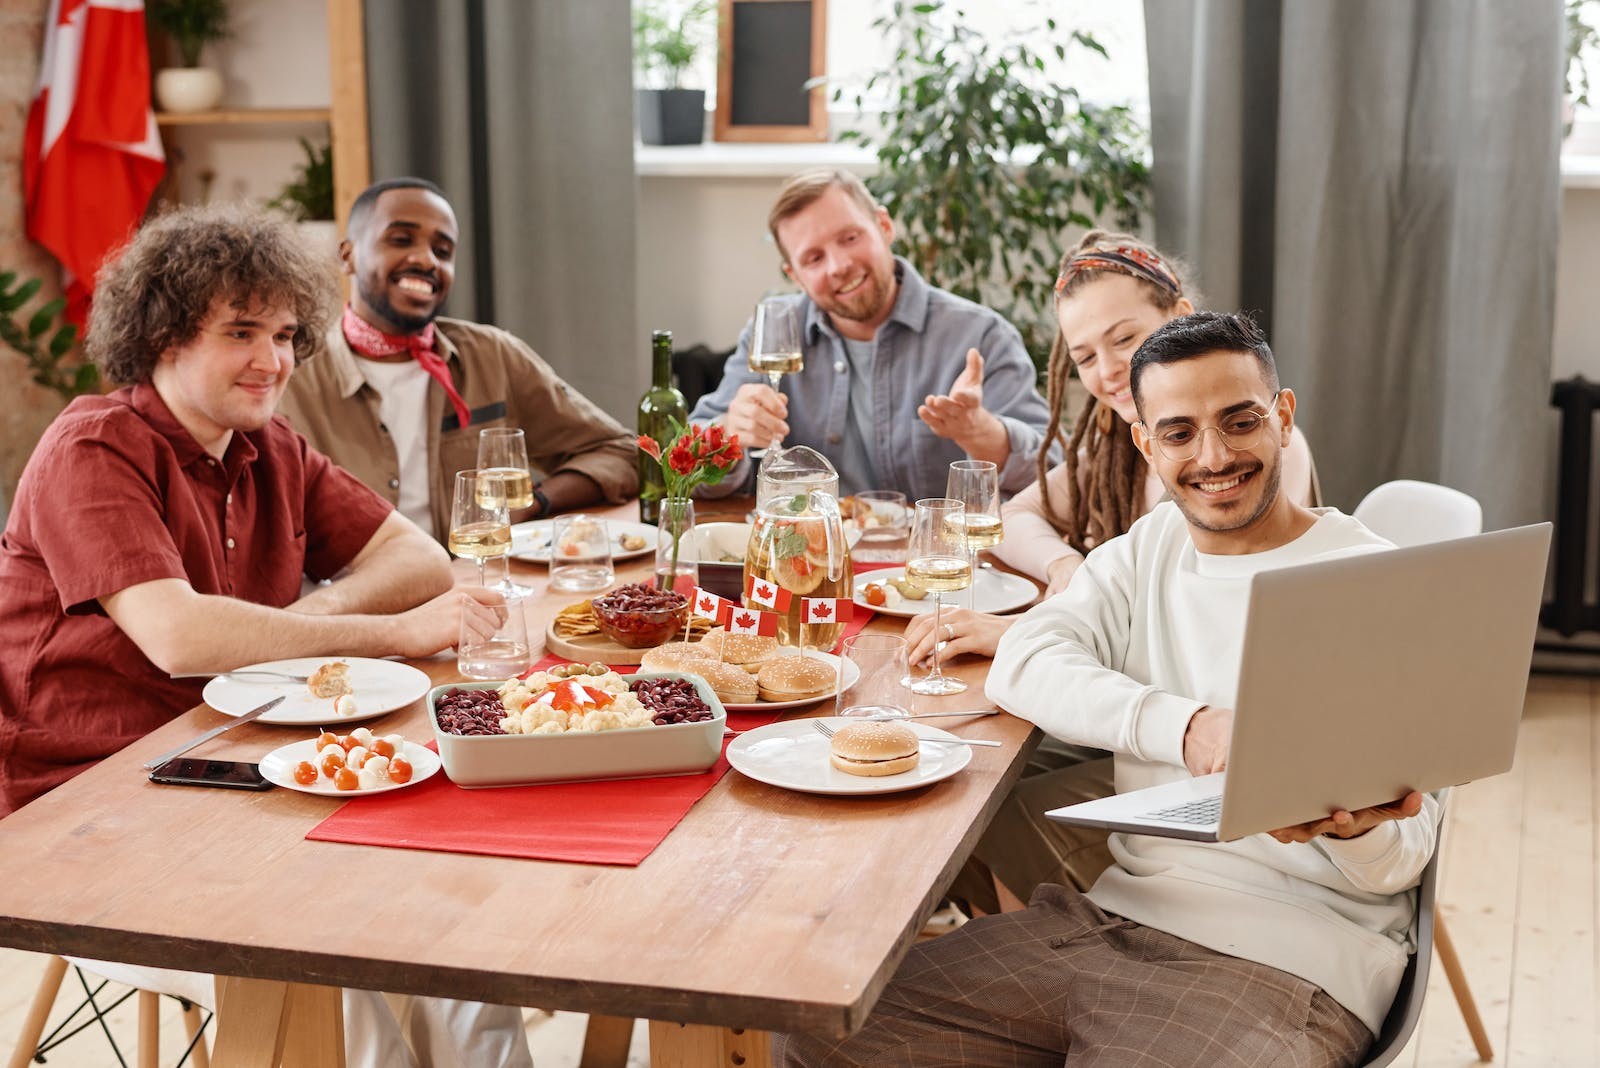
(1063,983)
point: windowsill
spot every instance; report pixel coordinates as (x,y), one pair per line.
(1580,171)
(721,159)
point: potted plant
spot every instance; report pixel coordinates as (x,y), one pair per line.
(192,24)
(985,161)
(308,196)
(1582,35)
(666,38)
(45,339)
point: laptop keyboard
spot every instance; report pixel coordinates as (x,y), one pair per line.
(1202,812)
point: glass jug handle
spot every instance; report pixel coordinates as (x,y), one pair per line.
(825,505)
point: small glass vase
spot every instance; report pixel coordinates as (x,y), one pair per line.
(677,565)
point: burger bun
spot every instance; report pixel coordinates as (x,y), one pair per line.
(796,678)
(874,747)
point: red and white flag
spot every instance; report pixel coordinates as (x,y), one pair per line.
(767,594)
(91,157)
(709,606)
(750,621)
(826,610)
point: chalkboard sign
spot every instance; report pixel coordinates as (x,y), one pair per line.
(767,51)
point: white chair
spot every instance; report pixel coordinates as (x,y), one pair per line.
(1407,1007)
(192,992)
(1414,513)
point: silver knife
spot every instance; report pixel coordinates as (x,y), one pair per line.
(213,732)
(942,715)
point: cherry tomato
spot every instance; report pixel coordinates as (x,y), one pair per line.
(326,738)
(347,742)
(305,773)
(400,770)
(382,747)
(332,763)
(346,779)
(873,594)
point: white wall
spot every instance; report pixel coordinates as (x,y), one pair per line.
(1577,336)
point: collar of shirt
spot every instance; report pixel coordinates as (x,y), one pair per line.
(241,451)
(910,305)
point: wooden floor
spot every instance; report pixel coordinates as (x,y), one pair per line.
(1518,886)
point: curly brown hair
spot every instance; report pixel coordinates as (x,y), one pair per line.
(1112,494)
(156,292)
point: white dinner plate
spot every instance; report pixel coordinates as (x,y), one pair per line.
(380,686)
(531,541)
(794,755)
(278,768)
(993,591)
(851,674)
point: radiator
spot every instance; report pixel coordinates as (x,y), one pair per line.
(1570,610)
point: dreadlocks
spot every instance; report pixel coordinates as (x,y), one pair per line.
(1109,497)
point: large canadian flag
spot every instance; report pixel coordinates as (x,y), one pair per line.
(91,157)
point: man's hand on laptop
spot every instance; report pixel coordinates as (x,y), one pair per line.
(1205,742)
(1344,824)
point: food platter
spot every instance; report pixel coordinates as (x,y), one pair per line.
(793,754)
(531,541)
(277,767)
(993,591)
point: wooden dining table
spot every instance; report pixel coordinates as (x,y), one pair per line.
(763,910)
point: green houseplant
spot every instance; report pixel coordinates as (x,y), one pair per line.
(44,339)
(1582,35)
(985,161)
(666,39)
(308,196)
(192,24)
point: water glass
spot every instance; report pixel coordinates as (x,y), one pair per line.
(885,522)
(580,554)
(880,688)
(503,654)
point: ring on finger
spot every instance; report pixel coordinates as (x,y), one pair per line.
(949,633)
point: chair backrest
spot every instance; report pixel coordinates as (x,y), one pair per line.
(1415,513)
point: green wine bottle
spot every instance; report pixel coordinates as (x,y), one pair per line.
(660,405)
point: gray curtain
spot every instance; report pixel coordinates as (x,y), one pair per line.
(522,111)
(1380,180)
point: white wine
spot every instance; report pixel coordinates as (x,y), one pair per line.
(940,574)
(481,540)
(512,482)
(976,530)
(776,363)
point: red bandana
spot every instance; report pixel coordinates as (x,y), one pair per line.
(369,341)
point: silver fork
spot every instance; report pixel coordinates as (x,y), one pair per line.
(827,732)
(245,674)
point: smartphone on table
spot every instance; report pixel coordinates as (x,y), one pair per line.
(197,771)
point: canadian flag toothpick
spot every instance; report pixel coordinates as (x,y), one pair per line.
(709,606)
(767,594)
(750,621)
(826,610)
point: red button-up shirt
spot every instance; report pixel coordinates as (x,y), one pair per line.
(117,493)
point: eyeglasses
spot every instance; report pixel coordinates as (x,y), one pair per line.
(1180,442)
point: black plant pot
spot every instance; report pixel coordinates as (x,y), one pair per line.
(672,116)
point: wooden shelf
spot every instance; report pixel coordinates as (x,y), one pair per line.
(243,116)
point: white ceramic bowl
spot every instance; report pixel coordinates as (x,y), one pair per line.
(630,753)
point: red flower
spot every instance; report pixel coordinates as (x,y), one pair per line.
(681,459)
(650,445)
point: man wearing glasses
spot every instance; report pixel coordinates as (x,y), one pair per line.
(1281,948)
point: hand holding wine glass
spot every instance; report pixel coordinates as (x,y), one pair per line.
(480,524)
(936,560)
(976,484)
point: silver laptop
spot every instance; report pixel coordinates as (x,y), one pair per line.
(1361,679)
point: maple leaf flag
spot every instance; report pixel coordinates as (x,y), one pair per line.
(747,621)
(709,606)
(827,609)
(767,594)
(91,156)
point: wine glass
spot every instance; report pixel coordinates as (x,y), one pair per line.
(775,344)
(976,483)
(936,560)
(480,525)
(503,458)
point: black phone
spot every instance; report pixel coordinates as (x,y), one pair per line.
(194,771)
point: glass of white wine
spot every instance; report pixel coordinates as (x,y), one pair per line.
(976,483)
(936,560)
(480,524)
(503,459)
(775,343)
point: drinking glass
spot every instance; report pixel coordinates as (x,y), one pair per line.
(503,654)
(976,483)
(503,455)
(883,527)
(775,344)
(580,554)
(936,560)
(480,526)
(879,689)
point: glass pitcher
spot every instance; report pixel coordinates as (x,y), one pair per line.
(789,473)
(798,544)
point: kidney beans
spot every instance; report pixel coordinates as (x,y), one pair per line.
(640,597)
(672,700)
(470,712)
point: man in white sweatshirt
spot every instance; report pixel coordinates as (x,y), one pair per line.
(1283,948)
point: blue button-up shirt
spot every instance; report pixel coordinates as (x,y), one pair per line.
(921,349)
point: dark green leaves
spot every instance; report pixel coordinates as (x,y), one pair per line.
(48,362)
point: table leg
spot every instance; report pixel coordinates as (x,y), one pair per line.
(262,1024)
(674,1045)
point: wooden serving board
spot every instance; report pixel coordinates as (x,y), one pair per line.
(590,648)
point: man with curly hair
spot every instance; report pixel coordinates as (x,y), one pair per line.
(165,528)
(402,393)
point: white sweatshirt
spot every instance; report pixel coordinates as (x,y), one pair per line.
(1147,634)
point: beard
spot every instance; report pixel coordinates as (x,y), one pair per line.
(868,299)
(378,300)
(1270,477)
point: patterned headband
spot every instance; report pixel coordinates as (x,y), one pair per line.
(1123,259)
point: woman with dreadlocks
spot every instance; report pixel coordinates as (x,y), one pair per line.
(1112,291)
